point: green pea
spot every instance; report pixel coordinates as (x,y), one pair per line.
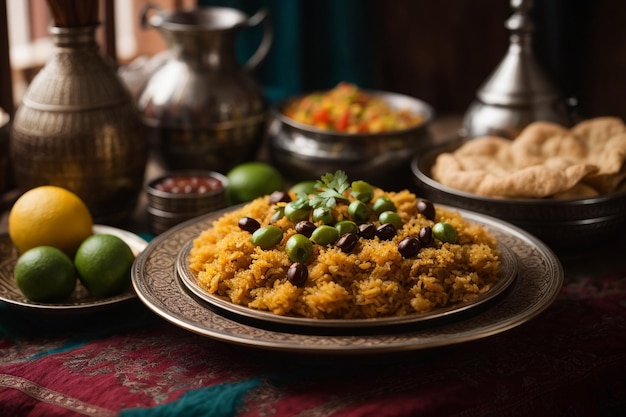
(295,212)
(383,203)
(279,213)
(299,248)
(323,214)
(444,232)
(325,235)
(358,211)
(390,217)
(346,226)
(267,237)
(362,191)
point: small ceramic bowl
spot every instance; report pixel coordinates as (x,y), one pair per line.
(565,225)
(304,152)
(181,195)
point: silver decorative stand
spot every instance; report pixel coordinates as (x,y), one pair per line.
(517,92)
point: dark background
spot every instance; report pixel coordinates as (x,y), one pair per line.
(440,51)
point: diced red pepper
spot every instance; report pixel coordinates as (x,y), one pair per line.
(342,121)
(321,116)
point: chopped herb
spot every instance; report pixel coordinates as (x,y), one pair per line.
(331,188)
(301,202)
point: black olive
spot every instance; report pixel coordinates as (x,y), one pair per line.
(426,208)
(386,231)
(279,197)
(409,247)
(305,227)
(297,274)
(248,224)
(426,235)
(367,230)
(347,242)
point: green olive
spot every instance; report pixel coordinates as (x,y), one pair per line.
(299,248)
(346,226)
(325,235)
(267,237)
(323,214)
(362,191)
(358,211)
(390,217)
(383,203)
(444,232)
(295,212)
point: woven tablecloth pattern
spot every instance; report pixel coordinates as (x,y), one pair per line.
(569,361)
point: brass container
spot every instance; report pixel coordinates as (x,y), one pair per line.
(77,127)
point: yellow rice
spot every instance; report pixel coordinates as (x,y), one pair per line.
(374,280)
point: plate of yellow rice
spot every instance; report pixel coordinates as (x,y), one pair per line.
(374,283)
(536,285)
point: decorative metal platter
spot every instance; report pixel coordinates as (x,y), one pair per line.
(189,281)
(539,279)
(80,301)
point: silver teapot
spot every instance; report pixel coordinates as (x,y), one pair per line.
(203,108)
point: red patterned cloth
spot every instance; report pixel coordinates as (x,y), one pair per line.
(569,361)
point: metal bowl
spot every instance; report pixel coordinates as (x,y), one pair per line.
(303,152)
(167,209)
(564,225)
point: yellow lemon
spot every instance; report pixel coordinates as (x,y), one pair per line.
(45,274)
(49,216)
(103,263)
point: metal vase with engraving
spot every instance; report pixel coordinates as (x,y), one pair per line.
(203,108)
(77,127)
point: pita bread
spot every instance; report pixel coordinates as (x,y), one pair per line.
(546,160)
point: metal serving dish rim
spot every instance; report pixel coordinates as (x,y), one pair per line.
(419,161)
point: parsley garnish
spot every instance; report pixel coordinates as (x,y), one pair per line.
(331,188)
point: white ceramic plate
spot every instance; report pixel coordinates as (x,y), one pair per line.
(80,300)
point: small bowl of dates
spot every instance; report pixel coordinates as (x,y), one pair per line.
(182,195)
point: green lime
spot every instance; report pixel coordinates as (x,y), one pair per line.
(250,180)
(103,263)
(303,187)
(45,274)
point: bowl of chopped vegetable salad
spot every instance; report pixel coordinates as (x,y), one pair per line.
(366,133)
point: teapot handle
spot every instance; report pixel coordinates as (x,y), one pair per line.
(262,16)
(144,21)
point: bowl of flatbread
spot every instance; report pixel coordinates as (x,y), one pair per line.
(565,185)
